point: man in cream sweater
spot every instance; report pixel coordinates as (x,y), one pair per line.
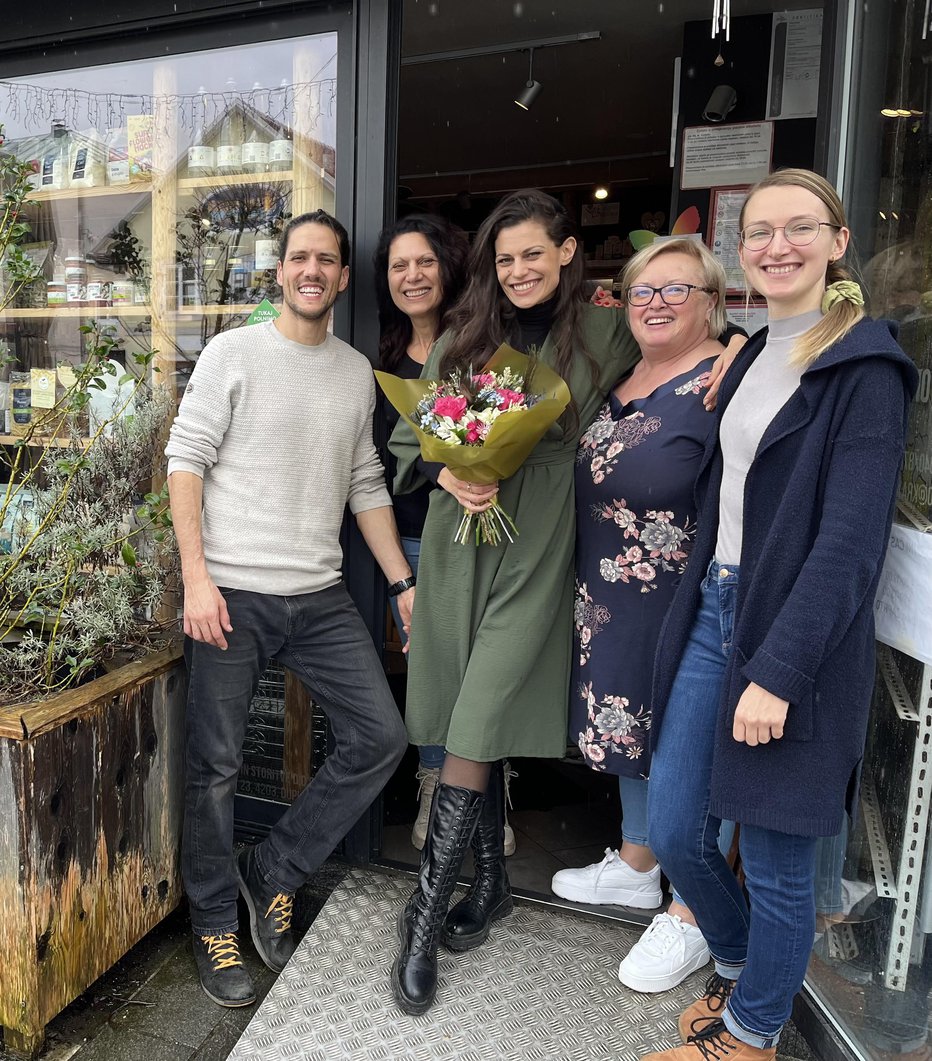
(272,440)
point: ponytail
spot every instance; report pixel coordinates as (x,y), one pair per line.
(842,308)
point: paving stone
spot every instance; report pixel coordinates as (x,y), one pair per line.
(115,1044)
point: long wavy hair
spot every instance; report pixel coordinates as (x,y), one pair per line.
(451,248)
(484,318)
(843,315)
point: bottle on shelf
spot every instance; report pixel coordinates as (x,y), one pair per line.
(117,157)
(55,159)
(202,158)
(281,151)
(230,143)
(86,160)
(266,258)
(255,152)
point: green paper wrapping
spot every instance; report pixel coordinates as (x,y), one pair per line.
(513,435)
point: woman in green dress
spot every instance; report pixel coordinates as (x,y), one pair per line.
(491,637)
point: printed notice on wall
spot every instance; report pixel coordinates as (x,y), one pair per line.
(901,609)
(723,233)
(751,318)
(726,154)
(795,51)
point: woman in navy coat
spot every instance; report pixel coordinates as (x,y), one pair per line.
(765,666)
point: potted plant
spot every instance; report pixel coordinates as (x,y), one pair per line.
(91,683)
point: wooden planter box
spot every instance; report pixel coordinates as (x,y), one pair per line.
(91,802)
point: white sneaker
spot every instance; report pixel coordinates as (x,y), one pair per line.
(664,955)
(610,881)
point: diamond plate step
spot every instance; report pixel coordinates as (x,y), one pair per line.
(543,987)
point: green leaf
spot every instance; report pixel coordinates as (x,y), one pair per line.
(129,554)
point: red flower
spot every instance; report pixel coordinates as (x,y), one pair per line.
(452,407)
(510,397)
(475,431)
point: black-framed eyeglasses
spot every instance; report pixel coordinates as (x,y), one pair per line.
(800,232)
(671,294)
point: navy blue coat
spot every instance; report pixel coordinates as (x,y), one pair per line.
(818,505)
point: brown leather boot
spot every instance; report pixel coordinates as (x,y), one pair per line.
(713,1043)
(717,992)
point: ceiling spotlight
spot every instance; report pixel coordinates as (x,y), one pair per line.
(532,88)
(601,192)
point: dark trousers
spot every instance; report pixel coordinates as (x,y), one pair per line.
(323,640)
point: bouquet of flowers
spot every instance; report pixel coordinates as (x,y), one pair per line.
(481,425)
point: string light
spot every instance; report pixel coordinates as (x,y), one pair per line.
(37,107)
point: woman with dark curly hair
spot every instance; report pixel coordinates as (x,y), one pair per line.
(420,271)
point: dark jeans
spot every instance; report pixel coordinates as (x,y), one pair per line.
(767,947)
(323,640)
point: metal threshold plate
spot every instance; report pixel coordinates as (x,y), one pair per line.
(544,986)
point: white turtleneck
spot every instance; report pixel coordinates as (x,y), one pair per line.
(767,386)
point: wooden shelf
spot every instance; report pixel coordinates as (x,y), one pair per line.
(51,194)
(234,179)
(217,310)
(77,311)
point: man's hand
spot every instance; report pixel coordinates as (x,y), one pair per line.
(473,497)
(759,716)
(405,603)
(205,612)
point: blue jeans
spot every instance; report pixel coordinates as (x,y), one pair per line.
(431,756)
(323,640)
(767,954)
(633,793)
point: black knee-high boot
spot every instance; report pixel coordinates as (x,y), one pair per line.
(453,818)
(489,898)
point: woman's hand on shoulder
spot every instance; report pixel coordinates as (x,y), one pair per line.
(721,366)
(474,497)
(759,717)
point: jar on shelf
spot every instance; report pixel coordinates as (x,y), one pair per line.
(56,293)
(121,293)
(75,269)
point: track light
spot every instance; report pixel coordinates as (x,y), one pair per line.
(532,88)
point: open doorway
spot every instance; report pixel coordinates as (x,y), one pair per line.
(607,91)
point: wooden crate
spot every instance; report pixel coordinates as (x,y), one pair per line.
(91,803)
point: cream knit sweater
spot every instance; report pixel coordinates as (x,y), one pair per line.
(281,434)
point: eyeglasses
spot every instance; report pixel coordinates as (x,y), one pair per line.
(671,294)
(800,232)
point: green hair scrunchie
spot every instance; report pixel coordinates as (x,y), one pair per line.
(842,291)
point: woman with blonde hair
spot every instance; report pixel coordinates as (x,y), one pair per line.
(635,525)
(763,681)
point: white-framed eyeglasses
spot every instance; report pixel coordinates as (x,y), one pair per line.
(800,232)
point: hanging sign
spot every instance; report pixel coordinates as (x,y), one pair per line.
(726,154)
(795,53)
(901,609)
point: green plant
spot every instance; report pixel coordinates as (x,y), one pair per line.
(15,185)
(89,547)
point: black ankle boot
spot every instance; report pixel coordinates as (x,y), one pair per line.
(489,898)
(452,821)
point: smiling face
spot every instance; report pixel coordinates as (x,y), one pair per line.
(791,278)
(414,281)
(528,262)
(665,331)
(311,275)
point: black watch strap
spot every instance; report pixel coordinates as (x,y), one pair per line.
(399,587)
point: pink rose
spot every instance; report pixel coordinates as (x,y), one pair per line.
(510,397)
(484,379)
(475,431)
(451,407)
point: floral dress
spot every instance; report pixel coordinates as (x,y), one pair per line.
(635,470)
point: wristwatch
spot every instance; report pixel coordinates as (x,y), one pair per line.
(399,587)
